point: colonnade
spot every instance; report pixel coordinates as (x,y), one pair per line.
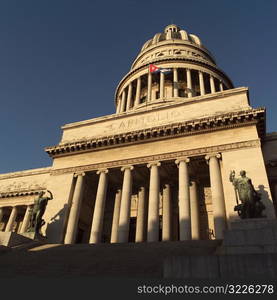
(128,100)
(148,214)
(9,226)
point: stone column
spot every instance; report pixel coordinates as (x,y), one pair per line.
(26,219)
(116,212)
(1,213)
(141,216)
(184,200)
(99,207)
(167,214)
(149,86)
(123,101)
(161,85)
(12,218)
(189,85)
(221,86)
(138,92)
(201,83)
(194,211)
(212,84)
(217,195)
(175,82)
(153,206)
(74,214)
(125,206)
(129,97)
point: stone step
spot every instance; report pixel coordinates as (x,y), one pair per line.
(137,260)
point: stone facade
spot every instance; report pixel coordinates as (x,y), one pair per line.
(158,169)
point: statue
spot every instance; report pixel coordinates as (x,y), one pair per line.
(251,205)
(36,221)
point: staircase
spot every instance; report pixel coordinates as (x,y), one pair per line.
(132,260)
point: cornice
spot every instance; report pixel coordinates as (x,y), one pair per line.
(26,173)
(161,157)
(20,193)
(197,126)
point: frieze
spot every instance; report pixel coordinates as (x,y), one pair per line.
(160,157)
(175,52)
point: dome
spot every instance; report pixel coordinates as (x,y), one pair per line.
(172,32)
(192,72)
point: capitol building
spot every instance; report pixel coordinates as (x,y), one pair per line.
(157,169)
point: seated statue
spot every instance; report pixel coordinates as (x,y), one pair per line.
(251,205)
(36,221)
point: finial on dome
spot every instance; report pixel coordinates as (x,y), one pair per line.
(172,28)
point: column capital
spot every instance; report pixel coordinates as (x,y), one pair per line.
(208,156)
(105,171)
(76,174)
(153,163)
(185,159)
(127,167)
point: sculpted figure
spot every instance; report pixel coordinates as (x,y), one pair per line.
(36,221)
(251,206)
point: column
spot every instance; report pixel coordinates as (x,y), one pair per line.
(194,211)
(153,206)
(167,212)
(212,84)
(175,82)
(217,195)
(71,230)
(116,212)
(129,97)
(12,218)
(99,207)
(149,86)
(26,219)
(123,101)
(118,106)
(138,92)
(1,213)
(220,86)
(184,200)
(125,206)
(189,85)
(201,83)
(141,216)
(161,85)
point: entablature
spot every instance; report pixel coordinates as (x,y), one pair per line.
(197,126)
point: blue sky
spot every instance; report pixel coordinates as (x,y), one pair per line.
(60,61)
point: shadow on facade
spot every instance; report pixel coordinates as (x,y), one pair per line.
(57,224)
(264,197)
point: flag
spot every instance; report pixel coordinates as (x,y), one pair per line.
(155,69)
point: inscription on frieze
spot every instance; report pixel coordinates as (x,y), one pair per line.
(143,121)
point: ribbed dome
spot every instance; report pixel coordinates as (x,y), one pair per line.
(172,32)
(191,72)
(173,42)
